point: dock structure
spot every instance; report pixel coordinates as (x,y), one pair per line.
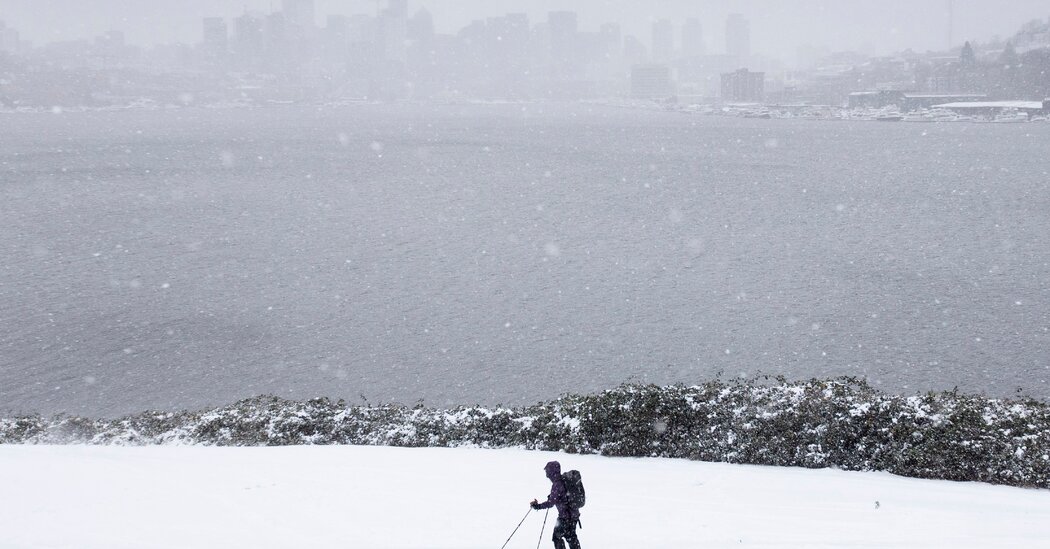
(992,108)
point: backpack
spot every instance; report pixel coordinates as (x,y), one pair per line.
(574,491)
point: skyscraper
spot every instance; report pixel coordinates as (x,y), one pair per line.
(421,26)
(300,15)
(612,40)
(692,38)
(397,8)
(634,51)
(738,37)
(564,38)
(9,40)
(335,44)
(249,41)
(663,41)
(362,29)
(300,27)
(563,28)
(393,31)
(216,37)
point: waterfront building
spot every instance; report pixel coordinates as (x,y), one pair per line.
(743,86)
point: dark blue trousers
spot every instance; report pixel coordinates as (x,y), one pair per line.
(565,531)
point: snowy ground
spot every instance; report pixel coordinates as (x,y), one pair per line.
(330,496)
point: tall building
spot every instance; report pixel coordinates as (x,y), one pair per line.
(249,41)
(421,26)
(663,41)
(393,31)
(362,29)
(609,62)
(9,39)
(335,44)
(692,38)
(216,38)
(277,44)
(612,40)
(397,8)
(300,15)
(337,28)
(564,37)
(738,37)
(634,51)
(564,27)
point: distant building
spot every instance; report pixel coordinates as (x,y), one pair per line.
(743,86)
(337,28)
(9,39)
(393,32)
(663,41)
(634,52)
(300,15)
(692,38)
(608,66)
(335,43)
(249,41)
(738,37)
(564,36)
(875,99)
(110,47)
(916,101)
(276,49)
(992,108)
(421,26)
(300,30)
(397,8)
(611,40)
(216,38)
(651,81)
(363,29)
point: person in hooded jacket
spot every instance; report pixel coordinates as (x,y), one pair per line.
(568,518)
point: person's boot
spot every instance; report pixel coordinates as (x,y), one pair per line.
(559,543)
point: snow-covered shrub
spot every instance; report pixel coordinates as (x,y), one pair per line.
(841,423)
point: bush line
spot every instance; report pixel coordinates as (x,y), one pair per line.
(842,422)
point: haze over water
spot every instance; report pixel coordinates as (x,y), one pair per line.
(510,253)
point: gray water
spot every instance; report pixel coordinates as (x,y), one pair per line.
(508,254)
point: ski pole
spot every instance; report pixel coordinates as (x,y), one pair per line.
(538,542)
(516,528)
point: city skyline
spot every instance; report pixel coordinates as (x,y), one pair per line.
(776,30)
(294,51)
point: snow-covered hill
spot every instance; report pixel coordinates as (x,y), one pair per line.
(374,497)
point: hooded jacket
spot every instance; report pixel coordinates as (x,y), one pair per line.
(557,497)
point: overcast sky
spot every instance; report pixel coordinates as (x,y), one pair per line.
(779,27)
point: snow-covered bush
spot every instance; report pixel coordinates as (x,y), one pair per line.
(841,423)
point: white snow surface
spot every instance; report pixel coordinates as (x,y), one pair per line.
(375,497)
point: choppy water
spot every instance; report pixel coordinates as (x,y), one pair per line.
(509,254)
